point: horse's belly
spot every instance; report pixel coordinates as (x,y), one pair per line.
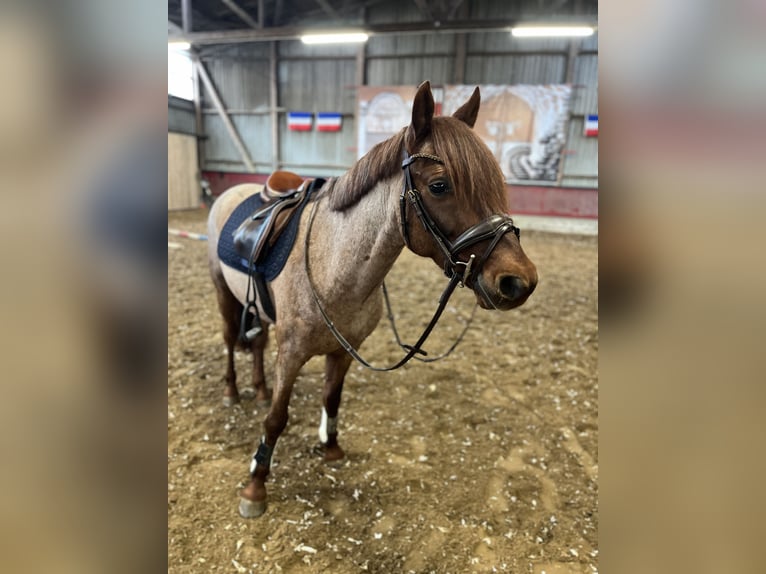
(237,283)
(355,322)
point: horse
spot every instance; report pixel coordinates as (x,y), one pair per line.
(357,226)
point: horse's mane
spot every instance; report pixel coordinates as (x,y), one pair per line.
(473,170)
(383,161)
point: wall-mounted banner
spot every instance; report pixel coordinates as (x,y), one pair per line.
(591,125)
(383,111)
(525,126)
(380,113)
(329,122)
(299,121)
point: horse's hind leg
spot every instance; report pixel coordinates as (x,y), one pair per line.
(231,311)
(336,367)
(259,390)
(253,497)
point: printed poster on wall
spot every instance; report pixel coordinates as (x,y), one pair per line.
(525,126)
(381,112)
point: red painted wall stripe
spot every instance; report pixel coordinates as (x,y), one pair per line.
(523,199)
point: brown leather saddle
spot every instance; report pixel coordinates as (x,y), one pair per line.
(283,193)
(265,238)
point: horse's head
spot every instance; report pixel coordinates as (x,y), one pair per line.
(454,206)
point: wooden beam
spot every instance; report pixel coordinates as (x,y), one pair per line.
(198,121)
(244,16)
(325,5)
(274,101)
(574,51)
(186,16)
(424,9)
(233,134)
(461,42)
(361,55)
(441,11)
(452,9)
(395,28)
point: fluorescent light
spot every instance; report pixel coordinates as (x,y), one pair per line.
(551,31)
(346,38)
(179,45)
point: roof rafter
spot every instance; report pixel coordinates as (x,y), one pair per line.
(240,12)
(327,7)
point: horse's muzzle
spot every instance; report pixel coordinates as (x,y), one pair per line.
(509,292)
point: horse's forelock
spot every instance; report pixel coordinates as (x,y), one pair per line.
(476,176)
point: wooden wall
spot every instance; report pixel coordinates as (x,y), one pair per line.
(183,185)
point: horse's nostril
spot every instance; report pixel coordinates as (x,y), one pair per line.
(512,287)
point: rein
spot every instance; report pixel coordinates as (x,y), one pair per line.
(412,350)
(459,272)
(399,342)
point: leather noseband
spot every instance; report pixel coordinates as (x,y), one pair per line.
(493,228)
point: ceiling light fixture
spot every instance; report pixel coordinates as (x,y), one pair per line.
(551,31)
(345,38)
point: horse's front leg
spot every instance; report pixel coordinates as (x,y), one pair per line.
(336,367)
(253,497)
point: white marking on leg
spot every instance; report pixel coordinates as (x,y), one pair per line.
(253,464)
(327,426)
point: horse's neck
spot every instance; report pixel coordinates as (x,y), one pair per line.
(356,248)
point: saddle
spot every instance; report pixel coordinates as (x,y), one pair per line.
(262,239)
(284,192)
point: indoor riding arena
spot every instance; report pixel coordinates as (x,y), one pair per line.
(483,461)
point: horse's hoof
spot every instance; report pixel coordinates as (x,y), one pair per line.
(247,393)
(251,508)
(335,462)
(333,455)
(229,401)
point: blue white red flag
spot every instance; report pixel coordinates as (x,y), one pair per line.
(591,125)
(299,121)
(329,122)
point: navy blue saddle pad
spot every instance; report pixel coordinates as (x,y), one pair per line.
(273,260)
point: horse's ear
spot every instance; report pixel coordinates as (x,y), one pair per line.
(422,114)
(468,111)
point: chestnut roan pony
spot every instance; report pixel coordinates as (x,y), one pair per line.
(434,187)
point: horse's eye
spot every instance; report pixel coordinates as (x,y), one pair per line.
(438,187)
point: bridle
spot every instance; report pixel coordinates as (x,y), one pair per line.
(459,272)
(493,228)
